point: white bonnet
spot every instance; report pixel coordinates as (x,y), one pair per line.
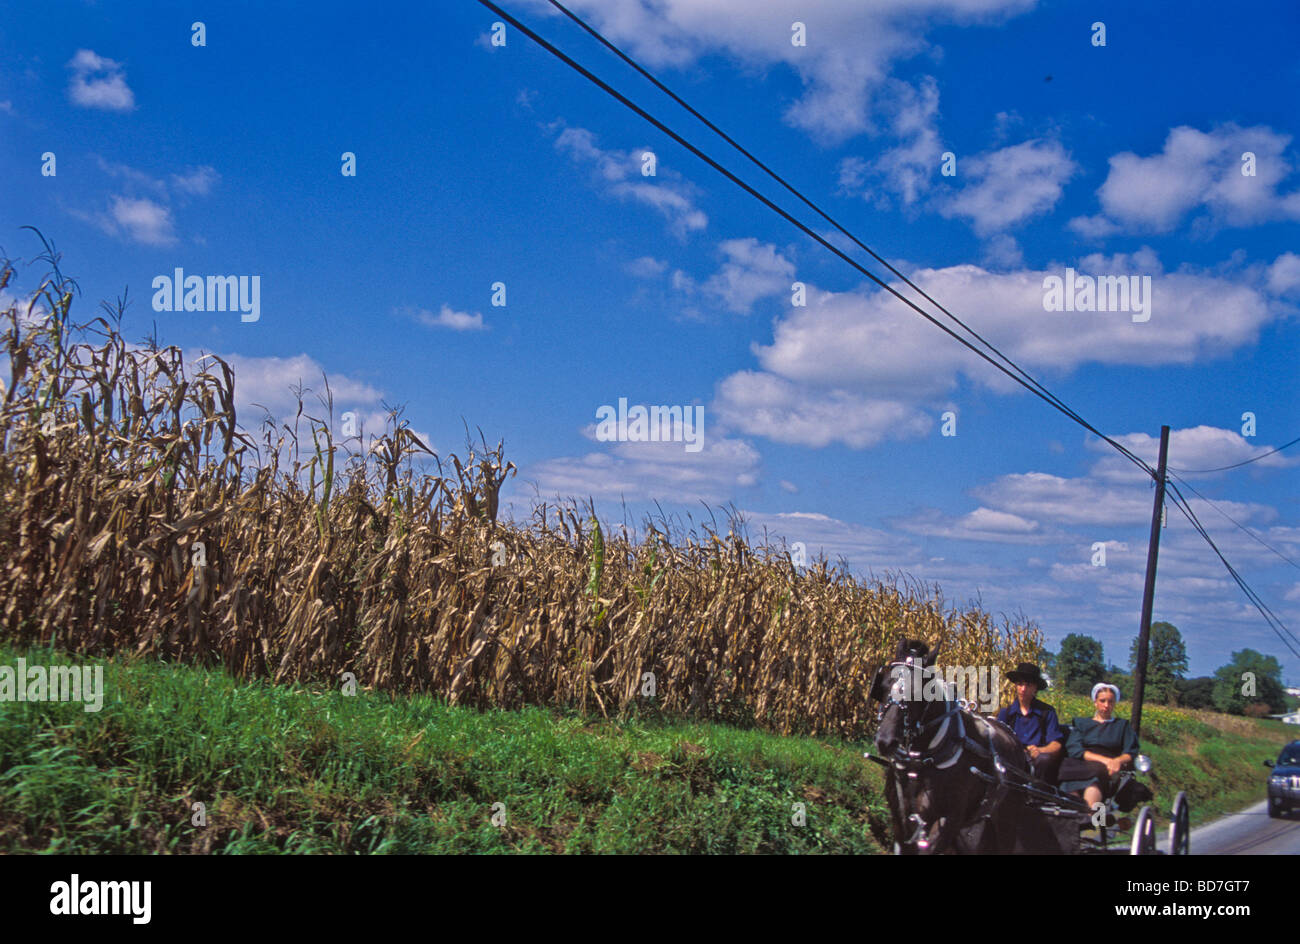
(1102,686)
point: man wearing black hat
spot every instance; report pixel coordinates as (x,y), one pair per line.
(1034,722)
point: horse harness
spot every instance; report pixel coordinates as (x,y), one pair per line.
(943,752)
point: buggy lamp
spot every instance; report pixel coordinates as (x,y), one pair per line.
(1143,763)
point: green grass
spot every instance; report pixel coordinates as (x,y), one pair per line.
(285,769)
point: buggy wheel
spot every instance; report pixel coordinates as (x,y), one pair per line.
(1180,842)
(1144,833)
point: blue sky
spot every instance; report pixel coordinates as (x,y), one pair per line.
(478,163)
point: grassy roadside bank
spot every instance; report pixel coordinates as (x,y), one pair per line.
(288,769)
(285,769)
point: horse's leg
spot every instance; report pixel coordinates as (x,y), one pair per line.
(898,806)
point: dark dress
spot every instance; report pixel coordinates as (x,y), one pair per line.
(1110,738)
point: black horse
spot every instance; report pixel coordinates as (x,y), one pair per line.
(929,743)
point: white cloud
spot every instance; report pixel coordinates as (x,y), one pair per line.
(1004,188)
(619,174)
(142,212)
(844,67)
(1102,505)
(1094,228)
(134,179)
(268,384)
(873,342)
(197,181)
(765,405)
(753,270)
(652,470)
(1002,251)
(864,547)
(853,173)
(1196,171)
(447,317)
(856,343)
(1040,496)
(1184,552)
(1284,275)
(907,169)
(646,267)
(1198,447)
(873,552)
(982,524)
(861,368)
(98,83)
(141,220)
(269,381)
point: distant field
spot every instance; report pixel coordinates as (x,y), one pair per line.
(286,769)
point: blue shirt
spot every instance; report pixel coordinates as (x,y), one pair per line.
(1038,728)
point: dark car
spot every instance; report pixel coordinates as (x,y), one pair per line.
(1284,781)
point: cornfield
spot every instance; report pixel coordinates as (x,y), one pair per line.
(136,516)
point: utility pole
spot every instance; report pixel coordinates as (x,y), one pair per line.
(1148,592)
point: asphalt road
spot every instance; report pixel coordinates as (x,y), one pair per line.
(1249,832)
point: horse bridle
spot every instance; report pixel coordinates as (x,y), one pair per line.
(935,753)
(943,751)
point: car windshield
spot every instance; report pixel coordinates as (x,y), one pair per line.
(1290,756)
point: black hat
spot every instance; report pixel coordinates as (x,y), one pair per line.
(1028,672)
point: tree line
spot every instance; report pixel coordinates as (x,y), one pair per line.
(1249,684)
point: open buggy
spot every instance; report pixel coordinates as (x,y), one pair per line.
(958,781)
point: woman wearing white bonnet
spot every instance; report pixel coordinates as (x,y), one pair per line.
(1098,749)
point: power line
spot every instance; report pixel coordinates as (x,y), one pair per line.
(1238,465)
(1269,616)
(1238,523)
(1025,380)
(624,100)
(824,215)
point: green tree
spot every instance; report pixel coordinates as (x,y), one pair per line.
(1166,662)
(1121,680)
(1080,663)
(1196,692)
(1249,669)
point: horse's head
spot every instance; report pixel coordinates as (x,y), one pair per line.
(901,688)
